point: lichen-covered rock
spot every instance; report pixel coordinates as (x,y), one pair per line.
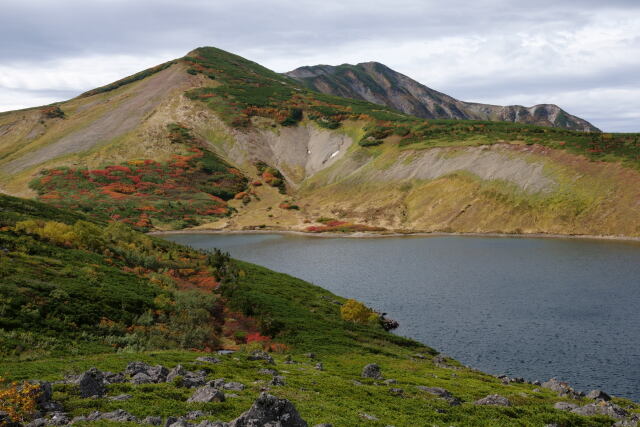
(268,410)
(372,371)
(207,394)
(493,400)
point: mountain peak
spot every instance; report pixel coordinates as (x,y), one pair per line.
(375,82)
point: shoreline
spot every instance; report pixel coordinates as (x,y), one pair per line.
(373,235)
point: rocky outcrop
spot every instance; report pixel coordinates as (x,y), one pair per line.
(268,410)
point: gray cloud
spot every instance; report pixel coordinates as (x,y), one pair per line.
(488,50)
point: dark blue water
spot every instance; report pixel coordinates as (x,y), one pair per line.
(535,308)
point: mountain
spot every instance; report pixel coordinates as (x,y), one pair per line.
(215,141)
(107,324)
(377,83)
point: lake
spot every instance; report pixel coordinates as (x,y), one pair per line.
(529,307)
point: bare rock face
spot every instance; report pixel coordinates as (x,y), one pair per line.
(268,410)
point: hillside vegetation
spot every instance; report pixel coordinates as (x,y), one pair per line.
(178,146)
(74,286)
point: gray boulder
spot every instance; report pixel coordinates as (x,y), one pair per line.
(442,393)
(437,391)
(119,416)
(601,408)
(154,421)
(91,383)
(136,367)
(194,415)
(188,379)
(141,378)
(158,373)
(113,378)
(268,410)
(493,400)
(562,388)
(207,394)
(234,386)
(38,422)
(372,371)
(177,371)
(194,379)
(319,366)
(261,355)
(59,419)
(278,380)
(43,401)
(268,371)
(565,406)
(217,383)
(598,395)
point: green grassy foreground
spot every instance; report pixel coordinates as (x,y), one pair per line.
(293,316)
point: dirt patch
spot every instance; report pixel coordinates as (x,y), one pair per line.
(486,162)
(123,118)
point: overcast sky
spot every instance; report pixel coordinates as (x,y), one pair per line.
(583,55)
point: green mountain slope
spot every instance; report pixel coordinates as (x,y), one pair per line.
(71,286)
(375,82)
(213,140)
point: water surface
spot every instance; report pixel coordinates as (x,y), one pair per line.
(535,308)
